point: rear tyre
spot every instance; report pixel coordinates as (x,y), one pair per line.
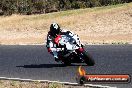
(66,61)
(88,59)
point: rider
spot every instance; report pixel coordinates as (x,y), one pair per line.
(52,46)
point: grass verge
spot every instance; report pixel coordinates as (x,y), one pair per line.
(35,84)
(93,25)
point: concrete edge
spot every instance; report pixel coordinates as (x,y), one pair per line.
(48,81)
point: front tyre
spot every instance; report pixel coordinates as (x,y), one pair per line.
(88,59)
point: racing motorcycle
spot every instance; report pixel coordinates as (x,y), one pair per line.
(72,51)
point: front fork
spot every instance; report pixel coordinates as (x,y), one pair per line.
(79,53)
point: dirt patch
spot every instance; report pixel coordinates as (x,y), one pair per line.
(94,27)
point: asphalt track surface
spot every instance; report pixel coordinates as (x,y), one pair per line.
(34,62)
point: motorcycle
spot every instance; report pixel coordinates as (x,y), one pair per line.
(72,51)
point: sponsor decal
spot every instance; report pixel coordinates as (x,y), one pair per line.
(83,78)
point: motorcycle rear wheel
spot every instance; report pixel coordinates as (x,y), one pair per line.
(66,61)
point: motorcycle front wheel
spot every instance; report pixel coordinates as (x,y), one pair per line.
(88,59)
